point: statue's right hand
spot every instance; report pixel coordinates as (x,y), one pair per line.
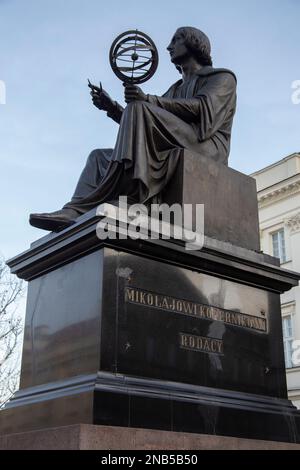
(101,99)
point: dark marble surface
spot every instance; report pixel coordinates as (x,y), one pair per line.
(91,356)
(147,338)
(62,326)
(229,198)
(78,320)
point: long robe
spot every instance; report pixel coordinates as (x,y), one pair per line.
(196,115)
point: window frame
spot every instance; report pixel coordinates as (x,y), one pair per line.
(281,245)
(288,340)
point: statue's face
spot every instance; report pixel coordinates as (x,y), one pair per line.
(177,48)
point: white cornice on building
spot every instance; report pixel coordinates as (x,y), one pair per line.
(288,308)
(278,163)
(279,191)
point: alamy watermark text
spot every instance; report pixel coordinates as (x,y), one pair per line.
(296,92)
(2,92)
(155,221)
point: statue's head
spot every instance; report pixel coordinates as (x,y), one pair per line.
(188,41)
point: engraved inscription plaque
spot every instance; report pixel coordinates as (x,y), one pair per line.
(198,343)
(194,309)
(180,325)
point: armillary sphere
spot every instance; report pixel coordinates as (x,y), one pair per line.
(133,57)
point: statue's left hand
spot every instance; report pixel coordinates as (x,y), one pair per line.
(134,93)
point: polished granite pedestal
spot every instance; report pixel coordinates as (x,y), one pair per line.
(144,334)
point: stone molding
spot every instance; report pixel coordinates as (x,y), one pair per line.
(293,223)
(278,194)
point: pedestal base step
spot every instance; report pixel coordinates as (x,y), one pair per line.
(91,437)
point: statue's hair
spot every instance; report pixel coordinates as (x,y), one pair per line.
(198,43)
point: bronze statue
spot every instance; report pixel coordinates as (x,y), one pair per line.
(196,113)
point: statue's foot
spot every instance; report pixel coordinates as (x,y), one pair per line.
(54,221)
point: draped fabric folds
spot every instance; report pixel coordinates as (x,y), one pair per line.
(196,115)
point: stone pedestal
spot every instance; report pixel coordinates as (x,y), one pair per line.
(229,198)
(145,334)
(89,437)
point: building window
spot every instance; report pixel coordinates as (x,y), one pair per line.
(279,245)
(287,329)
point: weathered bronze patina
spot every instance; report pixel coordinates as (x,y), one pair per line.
(196,114)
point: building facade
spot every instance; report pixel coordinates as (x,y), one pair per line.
(278,188)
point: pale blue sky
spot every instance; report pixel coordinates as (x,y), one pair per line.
(48,49)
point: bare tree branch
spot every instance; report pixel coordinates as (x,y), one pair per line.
(11,291)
